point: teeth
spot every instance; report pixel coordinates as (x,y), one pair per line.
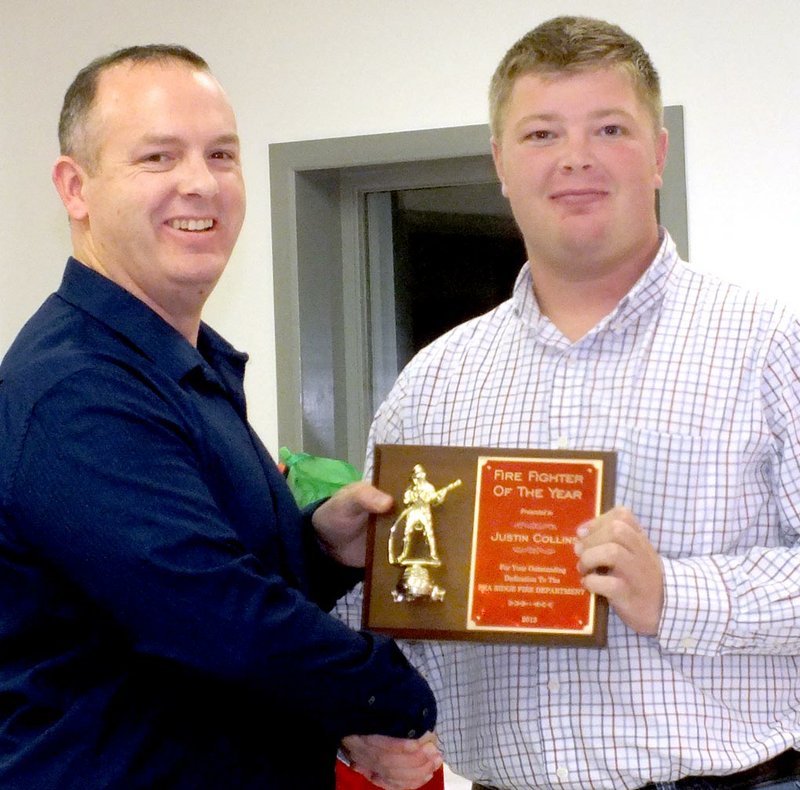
(191,224)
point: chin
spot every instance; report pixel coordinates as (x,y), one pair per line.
(198,271)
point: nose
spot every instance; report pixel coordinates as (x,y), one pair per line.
(197,178)
(576,154)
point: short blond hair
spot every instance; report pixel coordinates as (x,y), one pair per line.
(571,44)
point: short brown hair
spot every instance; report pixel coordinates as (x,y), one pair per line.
(80,96)
(570,44)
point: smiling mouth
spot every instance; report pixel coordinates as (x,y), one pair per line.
(192,225)
(578,194)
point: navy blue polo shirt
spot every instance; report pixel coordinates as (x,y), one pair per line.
(162,599)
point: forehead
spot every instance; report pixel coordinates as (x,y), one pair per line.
(159,97)
(574,91)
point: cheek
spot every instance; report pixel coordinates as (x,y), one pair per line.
(526,177)
(232,190)
(238,197)
(636,169)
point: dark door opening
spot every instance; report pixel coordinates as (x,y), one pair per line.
(449,267)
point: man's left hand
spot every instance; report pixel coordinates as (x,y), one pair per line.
(617,561)
(341,522)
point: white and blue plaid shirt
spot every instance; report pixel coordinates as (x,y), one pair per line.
(696,384)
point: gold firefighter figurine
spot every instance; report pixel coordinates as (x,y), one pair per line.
(419,550)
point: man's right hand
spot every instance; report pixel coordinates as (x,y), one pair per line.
(394,763)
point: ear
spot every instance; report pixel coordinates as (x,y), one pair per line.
(497,156)
(69,179)
(662,145)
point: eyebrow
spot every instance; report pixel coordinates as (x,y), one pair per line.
(595,114)
(170,139)
(610,111)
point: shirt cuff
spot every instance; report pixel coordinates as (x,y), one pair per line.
(697,608)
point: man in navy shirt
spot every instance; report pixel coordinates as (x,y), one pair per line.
(162,600)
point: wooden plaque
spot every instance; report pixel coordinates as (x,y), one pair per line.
(480,544)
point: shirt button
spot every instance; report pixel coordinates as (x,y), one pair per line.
(562,774)
(688,643)
(424,712)
(553,685)
(371,701)
(562,442)
(412,733)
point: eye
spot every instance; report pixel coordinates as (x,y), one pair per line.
(225,156)
(612,130)
(540,135)
(156,160)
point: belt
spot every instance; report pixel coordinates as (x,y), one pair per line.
(784,766)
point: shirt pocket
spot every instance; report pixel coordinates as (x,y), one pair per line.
(691,493)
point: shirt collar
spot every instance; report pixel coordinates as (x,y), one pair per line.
(143,329)
(645,295)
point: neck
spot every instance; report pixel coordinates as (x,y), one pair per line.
(574,310)
(577,298)
(181,309)
(186,325)
(183,315)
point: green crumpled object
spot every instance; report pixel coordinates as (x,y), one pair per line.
(313,477)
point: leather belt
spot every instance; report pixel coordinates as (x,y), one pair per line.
(784,766)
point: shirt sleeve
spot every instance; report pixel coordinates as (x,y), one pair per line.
(749,601)
(108,492)
(328,579)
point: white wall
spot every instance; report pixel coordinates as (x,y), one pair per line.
(305,69)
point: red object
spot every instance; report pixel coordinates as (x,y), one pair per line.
(348,779)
